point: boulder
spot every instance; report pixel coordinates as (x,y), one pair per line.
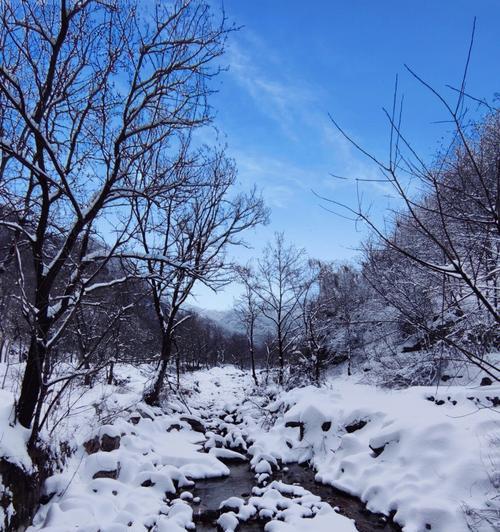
(377,451)
(106,443)
(356,425)
(109,443)
(194,423)
(296,424)
(92,445)
(113,473)
(135,418)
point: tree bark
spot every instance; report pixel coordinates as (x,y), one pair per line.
(32,381)
(152,396)
(252,355)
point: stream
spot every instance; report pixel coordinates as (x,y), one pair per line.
(348,505)
(223,426)
(212,491)
(241,481)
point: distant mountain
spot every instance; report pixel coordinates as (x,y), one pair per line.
(225,319)
(228,321)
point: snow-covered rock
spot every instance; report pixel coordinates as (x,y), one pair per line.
(426,460)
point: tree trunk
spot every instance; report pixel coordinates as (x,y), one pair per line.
(317,372)
(252,355)
(252,358)
(152,396)
(2,344)
(268,362)
(32,381)
(281,361)
(87,380)
(349,372)
(110,373)
(178,368)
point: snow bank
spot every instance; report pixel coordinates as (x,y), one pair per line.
(430,456)
(425,454)
(13,437)
(130,473)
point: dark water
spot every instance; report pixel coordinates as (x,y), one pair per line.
(348,505)
(213,491)
(241,480)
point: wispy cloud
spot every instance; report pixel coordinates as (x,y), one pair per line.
(280,180)
(350,166)
(273,91)
(309,148)
(298,110)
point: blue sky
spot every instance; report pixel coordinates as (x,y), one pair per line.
(293,62)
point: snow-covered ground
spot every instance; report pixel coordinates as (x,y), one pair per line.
(429,456)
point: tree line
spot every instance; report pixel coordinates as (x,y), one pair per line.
(422,302)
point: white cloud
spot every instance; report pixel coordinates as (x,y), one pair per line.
(280,180)
(273,91)
(297,109)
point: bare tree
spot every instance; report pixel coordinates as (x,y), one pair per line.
(315,309)
(451,229)
(185,237)
(279,285)
(89,91)
(345,292)
(248,313)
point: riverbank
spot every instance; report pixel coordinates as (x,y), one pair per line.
(224,454)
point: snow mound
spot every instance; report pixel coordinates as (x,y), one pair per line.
(134,484)
(13,437)
(286,507)
(425,454)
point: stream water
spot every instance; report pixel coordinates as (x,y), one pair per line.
(241,480)
(348,505)
(212,491)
